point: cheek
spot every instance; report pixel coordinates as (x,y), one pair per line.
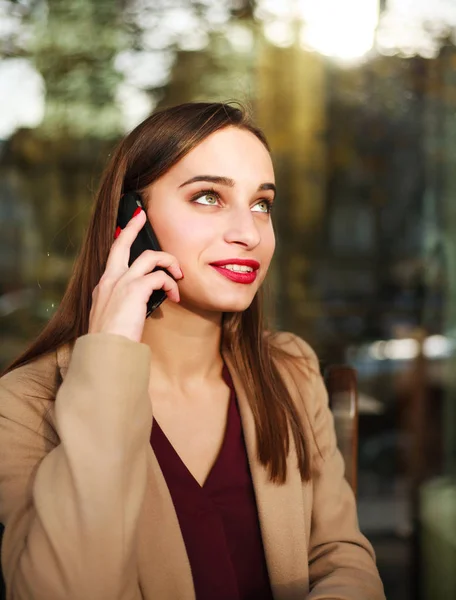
(184,238)
(268,245)
(267,254)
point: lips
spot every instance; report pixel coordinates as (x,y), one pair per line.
(238,276)
(244,262)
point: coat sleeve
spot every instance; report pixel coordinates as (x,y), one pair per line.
(341,560)
(70,497)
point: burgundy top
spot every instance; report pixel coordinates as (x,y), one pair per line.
(219,521)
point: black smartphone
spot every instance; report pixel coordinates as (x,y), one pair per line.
(145,240)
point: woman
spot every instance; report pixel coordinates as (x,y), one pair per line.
(190,454)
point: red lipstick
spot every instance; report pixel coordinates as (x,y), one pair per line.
(238,276)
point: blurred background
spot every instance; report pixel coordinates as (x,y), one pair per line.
(358,99)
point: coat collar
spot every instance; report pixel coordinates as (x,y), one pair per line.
(281,508)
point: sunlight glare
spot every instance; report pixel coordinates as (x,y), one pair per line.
(343,30)
(22,93)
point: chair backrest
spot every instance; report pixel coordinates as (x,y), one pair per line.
(341,383)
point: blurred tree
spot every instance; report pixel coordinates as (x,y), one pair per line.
(74,50)
(48,170)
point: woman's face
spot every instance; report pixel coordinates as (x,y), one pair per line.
(212,212)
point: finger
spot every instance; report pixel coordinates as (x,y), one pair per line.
(120,250)
(150,259)
(159,280)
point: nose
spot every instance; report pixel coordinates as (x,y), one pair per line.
(243,230)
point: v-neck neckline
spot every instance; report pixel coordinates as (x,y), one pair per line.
(177,461)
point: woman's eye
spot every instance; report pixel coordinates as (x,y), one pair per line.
(208,199)
(264,206)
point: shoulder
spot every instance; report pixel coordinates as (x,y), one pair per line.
(288,348)
(27,393)
(299,368)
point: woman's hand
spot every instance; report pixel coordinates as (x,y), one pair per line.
(119,300)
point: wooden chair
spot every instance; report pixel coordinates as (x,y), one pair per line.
(341,383)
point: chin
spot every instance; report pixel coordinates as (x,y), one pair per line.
(234,306)
(221,304)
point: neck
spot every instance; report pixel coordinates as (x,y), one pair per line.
(185,345)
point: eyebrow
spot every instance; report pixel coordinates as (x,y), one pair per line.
(227,181)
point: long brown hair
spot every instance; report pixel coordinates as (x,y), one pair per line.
(143,156)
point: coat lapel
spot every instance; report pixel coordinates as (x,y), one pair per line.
(163,565)
(280,509)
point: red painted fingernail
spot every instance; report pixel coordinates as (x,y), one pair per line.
(137,211)
(117,233)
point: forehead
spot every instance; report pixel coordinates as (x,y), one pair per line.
(230,152)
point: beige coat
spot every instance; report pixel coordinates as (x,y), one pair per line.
(87,511)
